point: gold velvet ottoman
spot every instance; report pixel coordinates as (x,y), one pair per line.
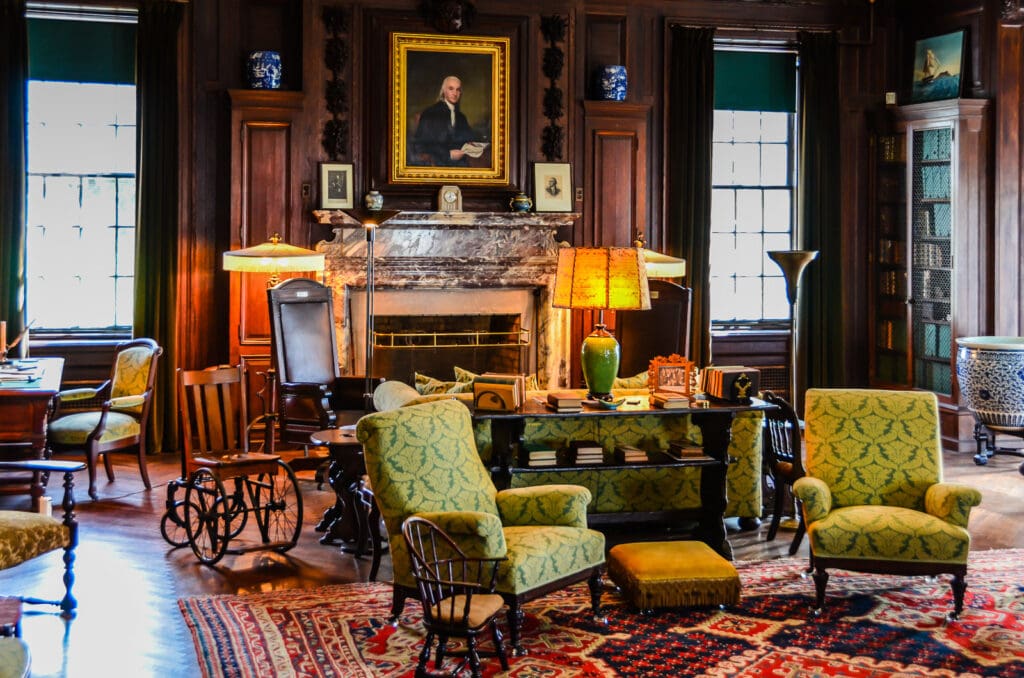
(673,574)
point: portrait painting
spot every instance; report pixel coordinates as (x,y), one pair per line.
(937,65)
(449,109)
(335,186)
(552,183)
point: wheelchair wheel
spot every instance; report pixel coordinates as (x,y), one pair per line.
(236,508)
(172,525)
(277,502)
(207,520)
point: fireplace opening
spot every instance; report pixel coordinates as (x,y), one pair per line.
(435,344)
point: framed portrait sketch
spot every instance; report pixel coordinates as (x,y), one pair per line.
(449,109)
(937,65)
(552,185)
(335,186)
(672,372)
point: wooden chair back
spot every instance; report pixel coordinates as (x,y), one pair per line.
(302,336)
(214,416)
(663,330)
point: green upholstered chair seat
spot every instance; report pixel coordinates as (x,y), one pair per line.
(25,535)
(540,555)
(888,533)
(75,428)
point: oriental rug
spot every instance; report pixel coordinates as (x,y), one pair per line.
(873,626)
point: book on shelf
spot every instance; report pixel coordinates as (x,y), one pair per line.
(537,454)
(684,449)
(628,454)
(586,452)
(565,400)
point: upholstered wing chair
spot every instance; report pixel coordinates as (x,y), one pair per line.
(873,497)
(422,460)
(111,417)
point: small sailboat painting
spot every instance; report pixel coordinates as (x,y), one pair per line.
(937,65)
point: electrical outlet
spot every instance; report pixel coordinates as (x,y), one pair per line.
(307,190)
(579,195)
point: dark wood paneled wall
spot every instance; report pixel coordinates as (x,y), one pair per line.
(873,60)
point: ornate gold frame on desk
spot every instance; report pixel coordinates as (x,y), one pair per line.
(674,371)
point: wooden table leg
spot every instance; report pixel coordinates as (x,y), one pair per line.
(716,432)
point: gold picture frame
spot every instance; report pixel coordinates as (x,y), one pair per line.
(435,143)
(672,372)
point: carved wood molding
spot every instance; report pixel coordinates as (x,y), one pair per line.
(553,28)
(336,58)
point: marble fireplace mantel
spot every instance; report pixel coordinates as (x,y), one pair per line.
(459,251)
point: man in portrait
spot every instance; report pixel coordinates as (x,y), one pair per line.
(443,135)
(552,188)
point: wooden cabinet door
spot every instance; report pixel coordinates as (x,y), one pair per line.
(265,199)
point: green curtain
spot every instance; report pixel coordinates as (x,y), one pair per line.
(821,313)
(13,83)
(691,74)
(156,247)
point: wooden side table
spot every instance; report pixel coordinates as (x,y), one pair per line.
(354,520)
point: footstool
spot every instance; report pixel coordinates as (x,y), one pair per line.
(673,574)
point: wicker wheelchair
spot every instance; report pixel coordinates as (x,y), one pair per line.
(224,483)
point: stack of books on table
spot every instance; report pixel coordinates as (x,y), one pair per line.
(627,454)
(538,454)
(499,392)
(565,401)
(586,452)
(684,449)
(669,400)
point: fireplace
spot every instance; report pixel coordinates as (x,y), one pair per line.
(467,289)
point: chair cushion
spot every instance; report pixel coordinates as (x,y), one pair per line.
(15,659)
(75,428)
(672,574)
(25,535)
(888,533)
(481,609)
(540,555)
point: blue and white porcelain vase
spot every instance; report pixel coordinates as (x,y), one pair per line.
(374,201)
(613,83)
(264,70)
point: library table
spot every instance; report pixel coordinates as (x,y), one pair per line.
(25,406)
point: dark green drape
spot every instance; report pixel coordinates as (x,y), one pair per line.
(156,248)
(691,74)
(821,291)
(13,79)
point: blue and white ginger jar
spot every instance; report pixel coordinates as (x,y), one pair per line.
(990,371)
(264,70)
(613,83)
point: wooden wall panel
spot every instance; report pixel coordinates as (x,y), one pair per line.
(1008,260)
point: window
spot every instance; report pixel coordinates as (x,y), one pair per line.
(753,179)
(80,216)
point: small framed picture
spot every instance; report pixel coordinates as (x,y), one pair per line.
(670,373)
(335,186)
(937,64)
(552,185)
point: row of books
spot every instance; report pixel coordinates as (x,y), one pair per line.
(589,452)
(499,392)
(734,383)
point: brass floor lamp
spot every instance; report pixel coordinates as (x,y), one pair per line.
(793,263)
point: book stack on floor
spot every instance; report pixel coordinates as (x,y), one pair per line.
(627,454)
(586,452)
(538,454)
(668,400)
(684,449)
(565,401)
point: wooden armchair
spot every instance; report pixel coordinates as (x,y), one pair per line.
(119,421)
(25,535)
(782,456)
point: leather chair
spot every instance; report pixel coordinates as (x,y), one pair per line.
(422,460)
(873,497)
(112,417)
(26,535)
(311,393)
(782,458)
(663,330)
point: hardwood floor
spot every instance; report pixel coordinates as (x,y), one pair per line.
(128,581)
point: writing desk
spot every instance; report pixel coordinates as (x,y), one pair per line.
(714,421)
(24,411)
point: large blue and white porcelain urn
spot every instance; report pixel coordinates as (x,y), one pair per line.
(264,70)
(990,371)
(613,83)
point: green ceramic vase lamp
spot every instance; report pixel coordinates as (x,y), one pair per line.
(599,278)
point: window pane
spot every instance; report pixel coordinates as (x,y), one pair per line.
(747,125)
(723,126)
(776,306)
(778,211)
(774,165)
(748,298)
(747,164)
(775,127)
(721,165)
(723,209)
(749,215)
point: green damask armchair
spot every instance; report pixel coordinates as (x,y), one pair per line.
(422,460)
(111,417)
(873,497)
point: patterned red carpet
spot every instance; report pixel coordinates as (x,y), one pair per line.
(873,626)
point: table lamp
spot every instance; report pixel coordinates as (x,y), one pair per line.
(793,263)
(660,265)
(599,278)
(273,257)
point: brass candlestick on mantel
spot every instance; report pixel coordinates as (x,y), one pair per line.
(793,263)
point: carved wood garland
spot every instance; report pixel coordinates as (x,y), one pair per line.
(553,135)
(336,55)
